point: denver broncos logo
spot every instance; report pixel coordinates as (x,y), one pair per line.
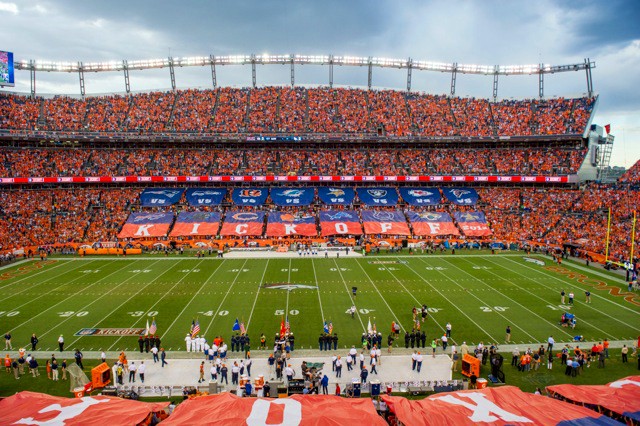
(245,216)
(250,192)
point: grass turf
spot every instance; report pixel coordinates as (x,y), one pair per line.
(479,294)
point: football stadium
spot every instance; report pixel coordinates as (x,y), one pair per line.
(467,259)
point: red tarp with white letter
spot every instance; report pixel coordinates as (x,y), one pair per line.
(505,405)
(312,410)
(616,399)
(30,408)
(242,224)
(143,225)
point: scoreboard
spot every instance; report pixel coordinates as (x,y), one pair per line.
(6,69)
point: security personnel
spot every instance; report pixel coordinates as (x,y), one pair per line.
(34,342)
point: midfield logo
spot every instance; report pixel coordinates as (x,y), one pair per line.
(288,286)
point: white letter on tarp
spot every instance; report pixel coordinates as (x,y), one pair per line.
(64,413)
(241,229)
(482,408)
(289,229)
(291,415)
(194,230)
(143,230)
(434,228)
(341,228)
(385,226)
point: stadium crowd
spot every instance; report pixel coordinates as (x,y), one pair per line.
(269,110)
(43,162)
(547,216)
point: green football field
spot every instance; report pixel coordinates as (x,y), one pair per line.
(478,294)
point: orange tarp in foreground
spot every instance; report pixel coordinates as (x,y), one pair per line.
(36,408)
(320,410)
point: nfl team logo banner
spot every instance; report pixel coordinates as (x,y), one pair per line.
(420,196)
(205,196)
(432,223)
(143,225)
(472,224)
(292,196)
(336,196)
(461,196)
(282,224)
(249,196)
(196,224)
(384,222)
(378,196)
(340,222)
(153,197)
(243,224)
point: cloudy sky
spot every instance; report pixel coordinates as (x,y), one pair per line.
(467,32)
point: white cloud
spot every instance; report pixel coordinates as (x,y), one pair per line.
(9,7)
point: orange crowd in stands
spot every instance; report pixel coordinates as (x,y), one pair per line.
(544,215)
(270,110)
(45,162)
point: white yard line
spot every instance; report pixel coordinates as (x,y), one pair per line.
(29,276)
(412,295)
(193,298)
(31,300)
(395,317)
(152,306)
(257,294)
(73,295)
(569,283)
(349,293)
(215,315)
(450,302)
(554,325)
(315,277)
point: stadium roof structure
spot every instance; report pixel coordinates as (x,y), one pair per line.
(294,59)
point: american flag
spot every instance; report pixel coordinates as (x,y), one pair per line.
(195,328)
(287,326)
(153,328)
(242,329)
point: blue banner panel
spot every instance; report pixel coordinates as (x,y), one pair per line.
(336,196)
(153,197)
(205,196)
(378,196)
(292,196)
(461,196)
(473,224)
(249,196)
(420,196)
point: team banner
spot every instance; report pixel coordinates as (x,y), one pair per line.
(249,196)
(229,409)
(420,196)
(384,222)
(432,223)
(500,406)
(378,196)
(340,222)
(472,224)
(196,223)
(243,224)
(619,399)
(336,196)
(205,196)
(153,197)
(143,225)
(461,196)
(31,408)
(292,196)
(281,224)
